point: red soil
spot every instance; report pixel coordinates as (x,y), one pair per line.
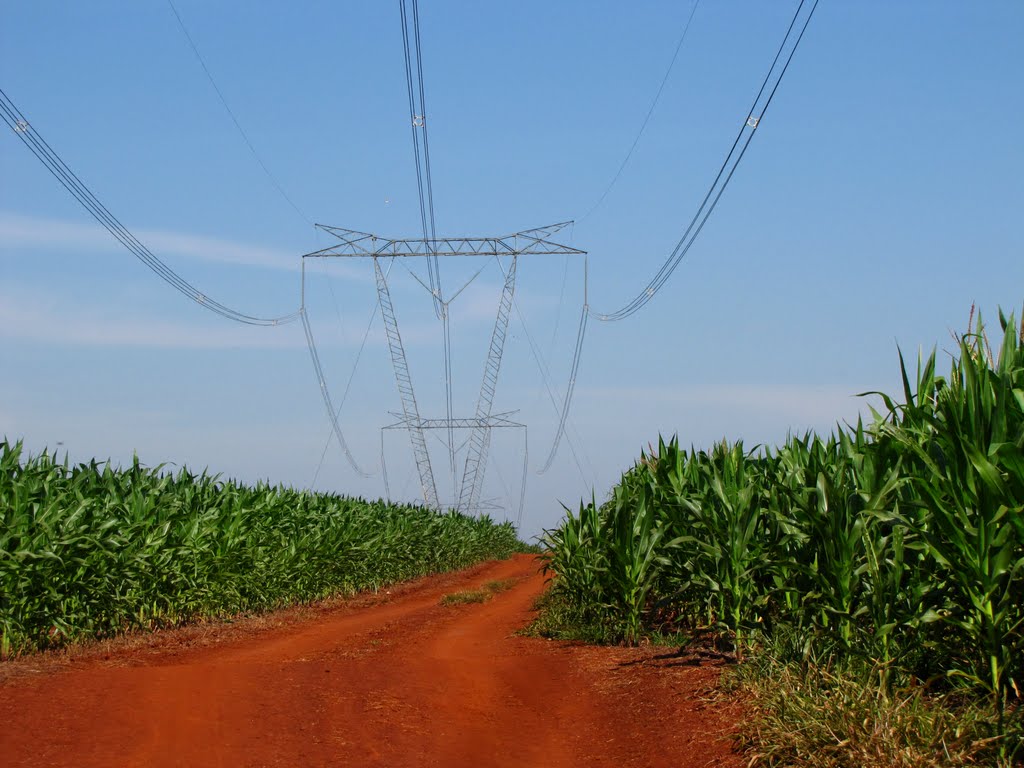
(395,680)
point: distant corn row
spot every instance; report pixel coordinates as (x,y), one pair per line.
(902,543)
(91,550)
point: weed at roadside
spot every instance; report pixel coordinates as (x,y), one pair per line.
(488,591)
(828,715)
(463,598)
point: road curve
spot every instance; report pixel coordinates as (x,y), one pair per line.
(393,681)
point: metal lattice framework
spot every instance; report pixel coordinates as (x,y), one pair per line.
(480,437)
(527,242)
(410,409)
(493,421)
(355,244)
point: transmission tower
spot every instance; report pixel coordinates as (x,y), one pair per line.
(531,242)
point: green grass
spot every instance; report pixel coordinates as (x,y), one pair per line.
(559,618)
(500,585)
(835,714)
(466,597)
(489,590)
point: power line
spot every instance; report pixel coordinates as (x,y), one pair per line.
(231,114)
(561,306)
(546,378)
(383,466)
(332,414)
(522,482)
(74,185)
(725,173)
(348,386)
(687,240)
(570,388)
(334,300)
(423,115)
(416,92)
(31,138)
(647,118)
(501,478)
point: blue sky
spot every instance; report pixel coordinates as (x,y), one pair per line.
(879,199)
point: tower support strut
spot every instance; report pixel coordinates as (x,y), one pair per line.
(355,244)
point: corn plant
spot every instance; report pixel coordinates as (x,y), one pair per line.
(728,538)
(635,554)
(970,446)
(900,541)
(92,550)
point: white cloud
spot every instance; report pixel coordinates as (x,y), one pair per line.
(27,314)
(18,231)
(479,302)
(734,407)
(45,319)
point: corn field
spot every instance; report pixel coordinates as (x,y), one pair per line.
(901,542)
(91,550)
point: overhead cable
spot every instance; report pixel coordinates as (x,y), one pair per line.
(647,118)
(546,378)
(522,483)
(561,303)
(13,117)
(570,388)
(501,478)
(332,414)
(416,91)
(751,121)
(335,427)
(446,327)
(732,161)
(344,395)
(231,114)
(383,467)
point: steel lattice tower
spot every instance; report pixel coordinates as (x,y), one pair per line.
(354,244)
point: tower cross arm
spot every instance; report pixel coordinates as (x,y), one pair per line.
(363,244)
(496,420)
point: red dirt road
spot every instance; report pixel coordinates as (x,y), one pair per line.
(395,680)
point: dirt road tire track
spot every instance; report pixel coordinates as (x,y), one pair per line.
(405,682)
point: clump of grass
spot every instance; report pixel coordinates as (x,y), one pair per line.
(559,618)
(500,585)
(482,595)
(827,715)
(468,596)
